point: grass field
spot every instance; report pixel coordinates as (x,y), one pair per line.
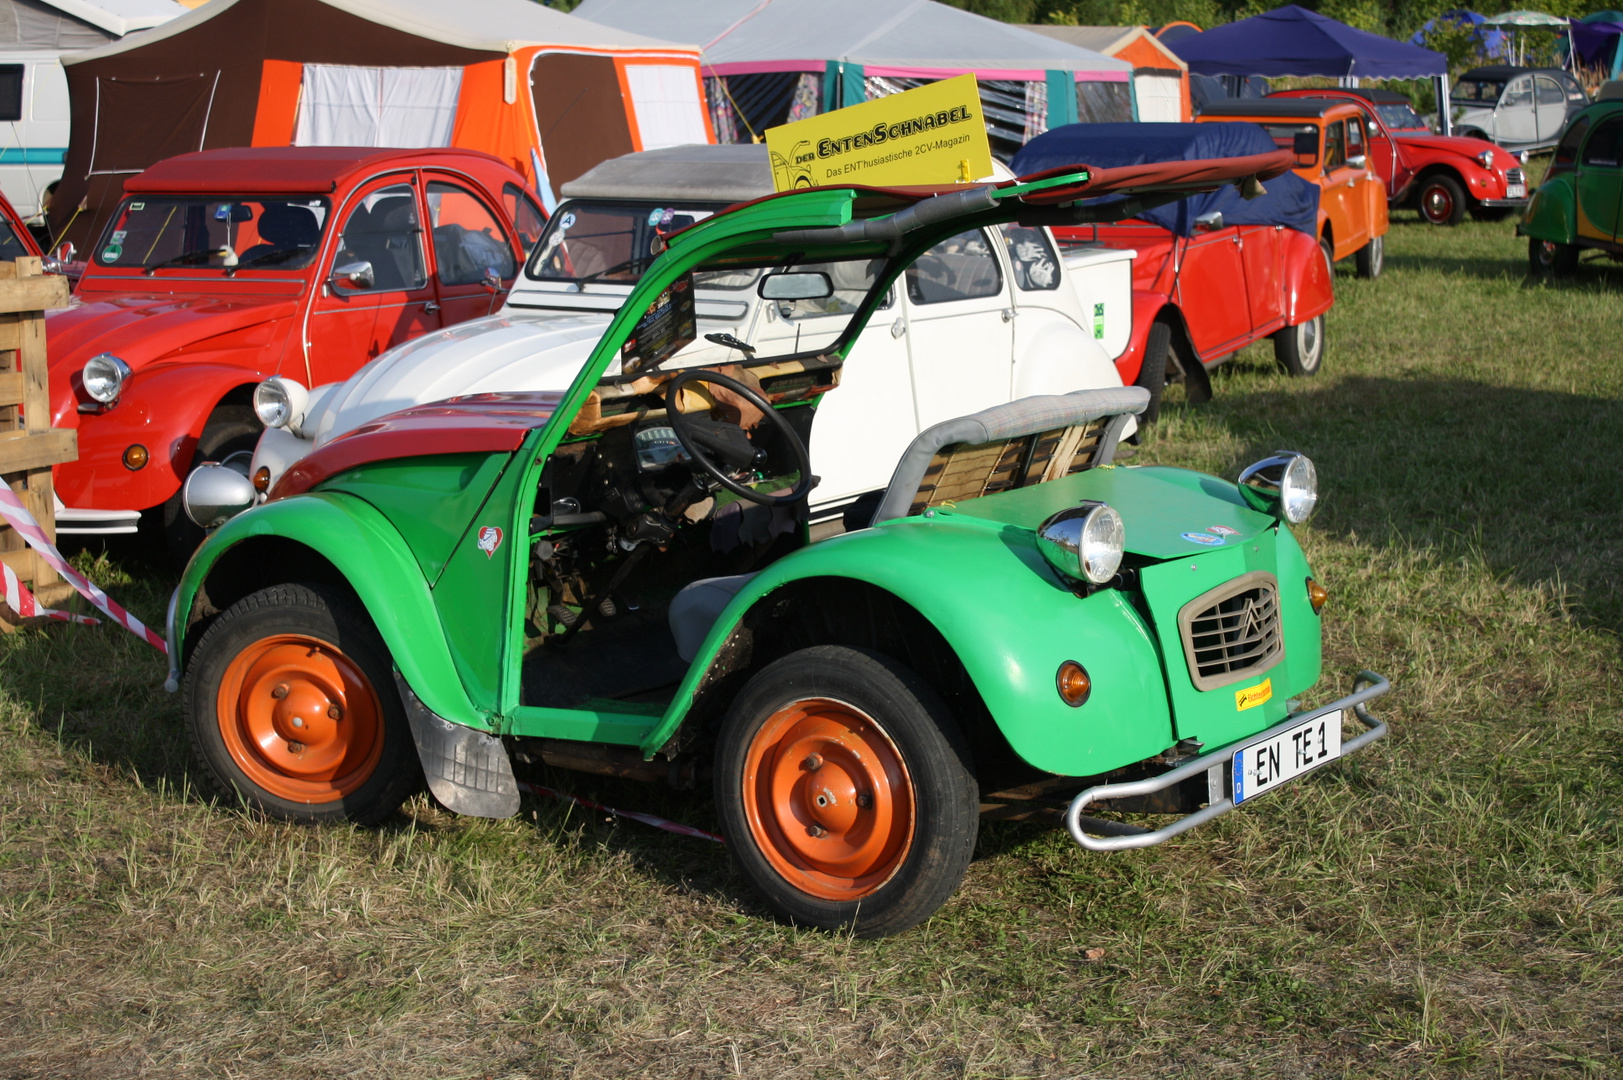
(1448,903)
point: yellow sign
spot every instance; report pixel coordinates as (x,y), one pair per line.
(933,135)
(1256,695)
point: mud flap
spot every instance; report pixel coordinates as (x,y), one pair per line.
(468,771)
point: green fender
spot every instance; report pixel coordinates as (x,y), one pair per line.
(376,561)
(1552,215)
(1011,629)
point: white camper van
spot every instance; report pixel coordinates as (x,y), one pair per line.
(34,35)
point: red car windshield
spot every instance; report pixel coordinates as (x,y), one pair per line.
(152,232)
(1400,116)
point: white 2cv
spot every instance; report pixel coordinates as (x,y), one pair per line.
(983,318)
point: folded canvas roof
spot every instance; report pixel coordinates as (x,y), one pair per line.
(549,93)
(78,24)
(840,52)
(722,174)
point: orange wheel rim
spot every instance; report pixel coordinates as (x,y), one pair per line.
(300,719)
(828,798)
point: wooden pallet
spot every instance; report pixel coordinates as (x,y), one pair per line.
(29,446)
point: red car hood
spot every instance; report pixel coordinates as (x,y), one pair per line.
(141,328)
(1458,144)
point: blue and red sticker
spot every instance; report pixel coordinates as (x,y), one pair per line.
(490,538)
(1203,539)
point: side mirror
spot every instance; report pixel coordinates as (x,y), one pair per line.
(65,251)
(354,275)
(1306,144)
(811,285)
(1210,221)
(1357,161)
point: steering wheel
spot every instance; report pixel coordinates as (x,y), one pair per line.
(684,434)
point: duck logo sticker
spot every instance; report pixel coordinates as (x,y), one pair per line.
(1203,539)
(490,538)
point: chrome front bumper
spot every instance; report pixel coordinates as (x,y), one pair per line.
(1508,204)
(80,521)
(1119,836)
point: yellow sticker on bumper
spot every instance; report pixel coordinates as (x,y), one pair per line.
(1252,697)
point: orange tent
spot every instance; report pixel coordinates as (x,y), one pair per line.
(1160,79)
(550,94)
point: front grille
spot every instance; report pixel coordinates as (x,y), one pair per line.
(1232,631)
(1515,176)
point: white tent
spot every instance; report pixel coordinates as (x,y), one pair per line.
(768,61)
(34,34)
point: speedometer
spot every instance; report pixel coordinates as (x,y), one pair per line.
(658,448)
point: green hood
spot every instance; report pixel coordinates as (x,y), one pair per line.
(1162,507)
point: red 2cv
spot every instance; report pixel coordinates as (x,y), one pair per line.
(225,267)
(1212,273)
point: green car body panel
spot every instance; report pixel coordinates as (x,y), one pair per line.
(361,543)
(1580,201)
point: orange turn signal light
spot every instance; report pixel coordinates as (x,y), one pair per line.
(1317,595)
(1073,683)
(135,457)
(262,479)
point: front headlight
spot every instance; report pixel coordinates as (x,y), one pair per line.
(1286,485)
(1085,542)
(1485,159)
(280,403)
(104,376)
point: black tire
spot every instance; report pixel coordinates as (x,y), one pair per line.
(1299,349)
(767,749)
(1152,372)
(1546,259)
(1371,258)
(1441,200)
(290,634)
(1329,250)
(230,429)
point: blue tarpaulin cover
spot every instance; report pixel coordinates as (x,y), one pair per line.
(1289,200)
(1294,41)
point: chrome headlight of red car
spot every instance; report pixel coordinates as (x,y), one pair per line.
(104,376)
(1485,159)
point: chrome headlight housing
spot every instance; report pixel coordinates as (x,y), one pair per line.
(104,376)
(1285,485)
(1084,542)
(281,403)
(1485,159)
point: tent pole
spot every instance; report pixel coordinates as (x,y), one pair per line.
(1445,114)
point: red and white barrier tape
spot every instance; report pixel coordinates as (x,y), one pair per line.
(18,517)
(20,600)
(647,819)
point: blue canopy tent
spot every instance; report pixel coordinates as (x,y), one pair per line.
(1292,40)
(1288,199)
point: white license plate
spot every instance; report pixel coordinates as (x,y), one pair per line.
(1268,763)
(1515,191)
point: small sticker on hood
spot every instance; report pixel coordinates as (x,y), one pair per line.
(1222,530)
(1204,539)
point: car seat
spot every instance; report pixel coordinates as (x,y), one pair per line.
(284,228)
(386,237)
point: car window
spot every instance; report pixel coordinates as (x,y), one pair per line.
(1335,145)
(1605,147)
(1036,267)
(1284,135)
(1477,91)
(470,245)
(611,242)
(383,230)
(961,267)
(1548,92)
(201,232)
(1566,152)
(11,245)
(1355,139)
(1519,94)
(526,217)
(1398,116)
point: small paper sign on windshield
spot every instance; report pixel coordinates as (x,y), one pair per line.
(933,135)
